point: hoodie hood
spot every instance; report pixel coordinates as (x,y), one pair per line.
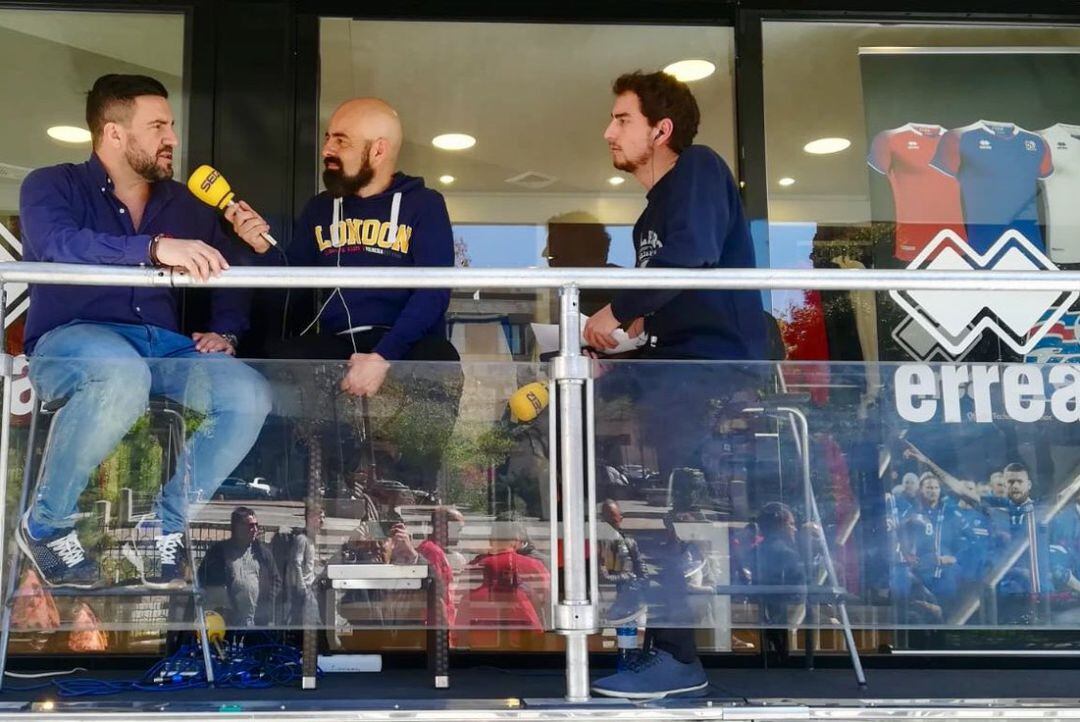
(406,225)
(400,184)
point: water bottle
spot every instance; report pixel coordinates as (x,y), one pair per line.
(627,642)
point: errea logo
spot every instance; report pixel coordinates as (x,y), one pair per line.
(1022,392)
(956,319)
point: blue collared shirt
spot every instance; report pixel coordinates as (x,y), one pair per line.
(69,214)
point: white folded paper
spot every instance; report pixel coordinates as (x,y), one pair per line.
(547,338)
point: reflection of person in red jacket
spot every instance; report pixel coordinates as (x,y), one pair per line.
(446,524)
(514,586)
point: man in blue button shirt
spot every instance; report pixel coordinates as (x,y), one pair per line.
(102,351)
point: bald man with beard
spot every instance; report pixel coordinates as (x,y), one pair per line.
(371,215)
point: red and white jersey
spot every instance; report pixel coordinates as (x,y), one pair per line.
(926,200)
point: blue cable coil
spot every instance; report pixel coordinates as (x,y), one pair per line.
(236,666)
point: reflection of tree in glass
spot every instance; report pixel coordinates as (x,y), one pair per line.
(135,464)
(461,253)
(417,433)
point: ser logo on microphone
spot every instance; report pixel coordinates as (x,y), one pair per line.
(528,402)
(209,181)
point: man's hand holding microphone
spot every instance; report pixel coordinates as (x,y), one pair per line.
(201,260)
(210,187)
(198,258)
(249,225)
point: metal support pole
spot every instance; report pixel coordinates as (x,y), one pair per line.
(813,513)
(575,614)
(7,369)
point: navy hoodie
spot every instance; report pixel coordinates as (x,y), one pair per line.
(694,219)
(365,238)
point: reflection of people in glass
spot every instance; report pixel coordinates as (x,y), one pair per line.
(87,344)
(446,525)
(621,565)
(300,574)
(514,585)
(239,575)
(693,219)
(779,561)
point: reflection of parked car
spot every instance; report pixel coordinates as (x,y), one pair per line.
(640,477)
(234,489)
(613,483)
(635,472)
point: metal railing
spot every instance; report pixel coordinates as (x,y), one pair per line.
(825,279)
(576,612)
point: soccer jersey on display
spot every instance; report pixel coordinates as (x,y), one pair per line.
(1061,193)
(998,166)
(926,201)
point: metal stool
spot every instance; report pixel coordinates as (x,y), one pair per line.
(173,446)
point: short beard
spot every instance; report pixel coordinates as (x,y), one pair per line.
(630,165)
(341,185)
(145,164)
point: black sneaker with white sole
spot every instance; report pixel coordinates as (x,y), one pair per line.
(60,559)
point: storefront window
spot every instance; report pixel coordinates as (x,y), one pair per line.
(880,137)
(932,147)
(538,187)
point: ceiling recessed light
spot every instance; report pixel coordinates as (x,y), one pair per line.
(690,70)
(446,179)
(824,146)
(69,134)
(786,182)
(453,141)
(616,180)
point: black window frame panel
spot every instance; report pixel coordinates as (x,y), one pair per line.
(694,13)
(199,56)
(746,17)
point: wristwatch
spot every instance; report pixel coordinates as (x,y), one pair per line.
(231,338)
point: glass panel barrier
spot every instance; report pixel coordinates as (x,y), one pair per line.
(298,505)
(732,496)
(913,496)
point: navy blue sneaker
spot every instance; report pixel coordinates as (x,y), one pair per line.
(160,562)
(654,674)
(60,558)
(170,550)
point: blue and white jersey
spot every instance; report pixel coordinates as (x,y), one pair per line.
(999,166)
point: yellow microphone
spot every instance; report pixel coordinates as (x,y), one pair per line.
(210,187)
(527,402)
(215,630)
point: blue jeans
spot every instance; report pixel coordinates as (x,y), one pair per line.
(108,371)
